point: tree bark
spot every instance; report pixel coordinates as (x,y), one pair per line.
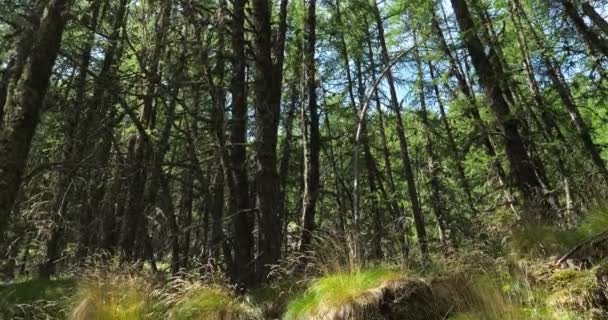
(267,114)
(557,79)
(24,103)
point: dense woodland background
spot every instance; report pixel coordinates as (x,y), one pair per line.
(179,133)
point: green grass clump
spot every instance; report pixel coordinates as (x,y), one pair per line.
(115,297)
(210,302)
(339,290)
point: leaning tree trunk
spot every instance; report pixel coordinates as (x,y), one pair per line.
(557,78)
(596,44)
(473,113)
(595,17)
(24,102)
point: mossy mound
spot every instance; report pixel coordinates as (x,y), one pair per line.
(580,289)
(371,294)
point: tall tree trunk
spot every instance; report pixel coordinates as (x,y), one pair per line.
(407,172)
(243,219)
(134,225)
(24,102)
(286,152)
(472,112)
(267,118)
(433,164)
(311,156)
(395,207)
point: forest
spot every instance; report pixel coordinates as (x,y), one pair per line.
(304,159)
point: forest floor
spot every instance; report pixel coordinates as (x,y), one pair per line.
(526,280)
(527,290)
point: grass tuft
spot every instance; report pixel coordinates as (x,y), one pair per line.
(341,290)
(115,297)
(198,301)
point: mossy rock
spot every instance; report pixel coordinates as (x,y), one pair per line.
(411,299)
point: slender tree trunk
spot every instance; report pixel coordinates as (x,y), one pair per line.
(311,163)
(472,112)
(395,208)
(407,172)
(458,156)
(433,164)
(286,152)
(134,224)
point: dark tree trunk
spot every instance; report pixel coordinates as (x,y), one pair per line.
(557,79)
(595,17)
(134,231)
(286,152)
(312,147)
(473,110)
(24,102)
(243,219)
(267,114)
